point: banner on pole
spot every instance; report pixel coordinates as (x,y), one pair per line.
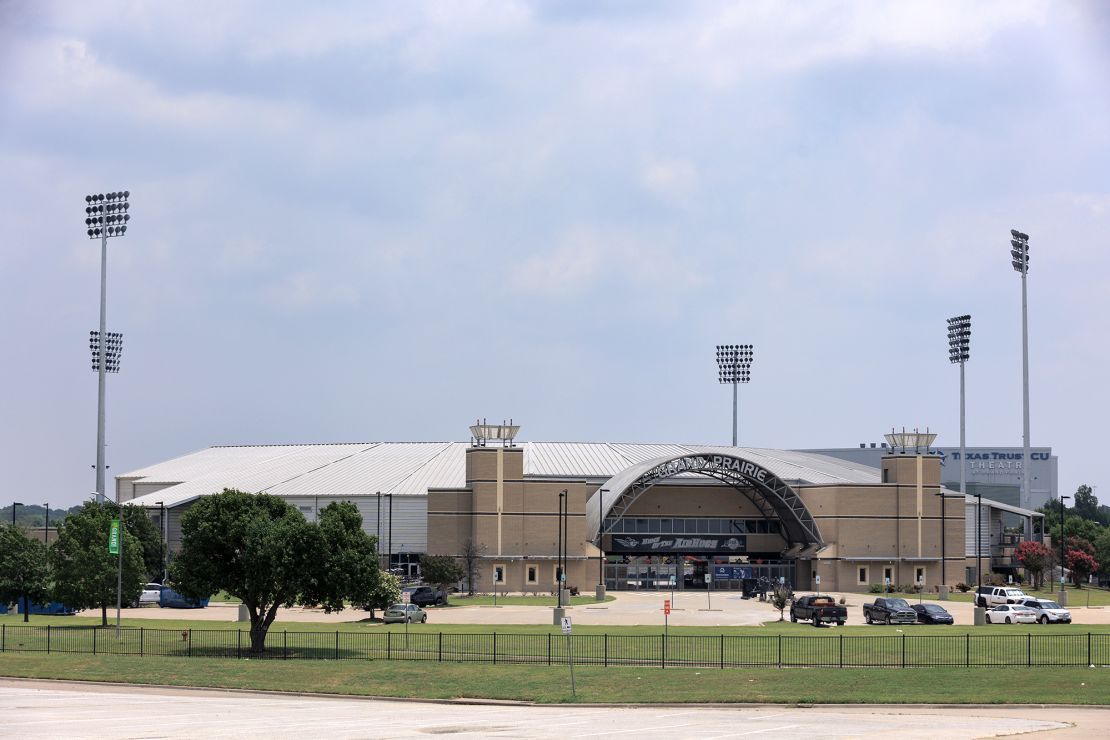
(113,538)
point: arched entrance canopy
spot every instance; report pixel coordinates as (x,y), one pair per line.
(773,497)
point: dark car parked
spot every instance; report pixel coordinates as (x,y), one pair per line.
(427,596)
(932,614)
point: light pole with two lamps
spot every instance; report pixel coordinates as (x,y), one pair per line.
(1019,253)
(106,216)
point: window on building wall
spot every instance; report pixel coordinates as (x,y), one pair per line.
(861,575)
(532,574)
(499,574)
(888,575)
(918,575)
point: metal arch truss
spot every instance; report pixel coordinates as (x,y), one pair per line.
(769,494)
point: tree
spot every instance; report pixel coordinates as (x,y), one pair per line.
(1035,557)
(1081,565)
(85,573)
(1102,551)
(346,568)
(471,554)
(1086,504)
(140,528)
(261,550)
(386,592)
(23,569)
(780,597)
(441,570)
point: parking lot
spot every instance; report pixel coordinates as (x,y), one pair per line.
(49,710)
(689,608)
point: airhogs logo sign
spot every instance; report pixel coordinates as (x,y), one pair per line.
(678,543)
(708,464)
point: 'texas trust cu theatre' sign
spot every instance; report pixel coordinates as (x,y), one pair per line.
(708,464)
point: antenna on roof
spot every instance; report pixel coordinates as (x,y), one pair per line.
(482,432)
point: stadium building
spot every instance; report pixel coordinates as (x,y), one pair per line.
(627,516)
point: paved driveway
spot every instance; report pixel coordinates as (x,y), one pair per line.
(51,710)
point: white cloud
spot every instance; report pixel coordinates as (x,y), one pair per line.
(674,181)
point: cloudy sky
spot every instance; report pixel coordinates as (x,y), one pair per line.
(380,221)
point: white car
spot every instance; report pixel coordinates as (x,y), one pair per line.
(1010,613)
(1048,611)
(152,594)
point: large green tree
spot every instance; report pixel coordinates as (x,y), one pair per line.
(441,570)
(261,550)
(85,573)
(142,529)
(23,569)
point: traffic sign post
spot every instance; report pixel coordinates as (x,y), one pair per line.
(817,579)
(406,599)
(666,614)
(708,590)
(565,625)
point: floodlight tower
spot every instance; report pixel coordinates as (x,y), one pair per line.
(1019,252)
(959,350)
(106,216)
(734,362)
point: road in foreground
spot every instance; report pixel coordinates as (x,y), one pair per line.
(71,710)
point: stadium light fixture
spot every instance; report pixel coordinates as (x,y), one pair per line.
(734,362)
(1019,253)
(959,351)
(106,216)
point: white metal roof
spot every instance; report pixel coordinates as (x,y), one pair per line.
(411,468)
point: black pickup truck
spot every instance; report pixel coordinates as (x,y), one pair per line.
(817,609)
(889,611)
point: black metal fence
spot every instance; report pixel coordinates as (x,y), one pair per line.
(702,651)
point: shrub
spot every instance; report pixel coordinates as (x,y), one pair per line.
(962,587)
(876,588)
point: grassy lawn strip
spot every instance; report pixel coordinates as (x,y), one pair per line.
(620,685)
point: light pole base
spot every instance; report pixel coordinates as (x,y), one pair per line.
(1062,597)
(980,616)
(599,592)
(942,593)
(557,615)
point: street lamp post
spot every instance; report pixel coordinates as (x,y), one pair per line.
(1063,514)
(600,554)
(943,549)
(959,351)
(162,538)
(14,504)
(46,529)
(106,216)
(734,362)
(1019,252)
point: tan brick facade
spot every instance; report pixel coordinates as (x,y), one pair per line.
(891,529)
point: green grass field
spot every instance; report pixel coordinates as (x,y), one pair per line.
(594,684)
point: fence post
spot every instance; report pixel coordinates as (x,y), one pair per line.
(238,643)
(495,648)
(389,646)
(337,644)
(4,638)
(549,648)
(1089,662)
(1028,649)
(189,649)
(94,640)
(842,650)
(440,647)
(722,651)
(606,651)
(140,642)
(285,645)
(903,649)
(48,636)
(663,652)
(967,650)
(780,651)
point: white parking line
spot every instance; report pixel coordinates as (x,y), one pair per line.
(653,728)
(753,732)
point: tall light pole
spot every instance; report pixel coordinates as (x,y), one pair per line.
(1019,252)
(959,351)
(14,504)
(106,216)
(46,529)
(734,362)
